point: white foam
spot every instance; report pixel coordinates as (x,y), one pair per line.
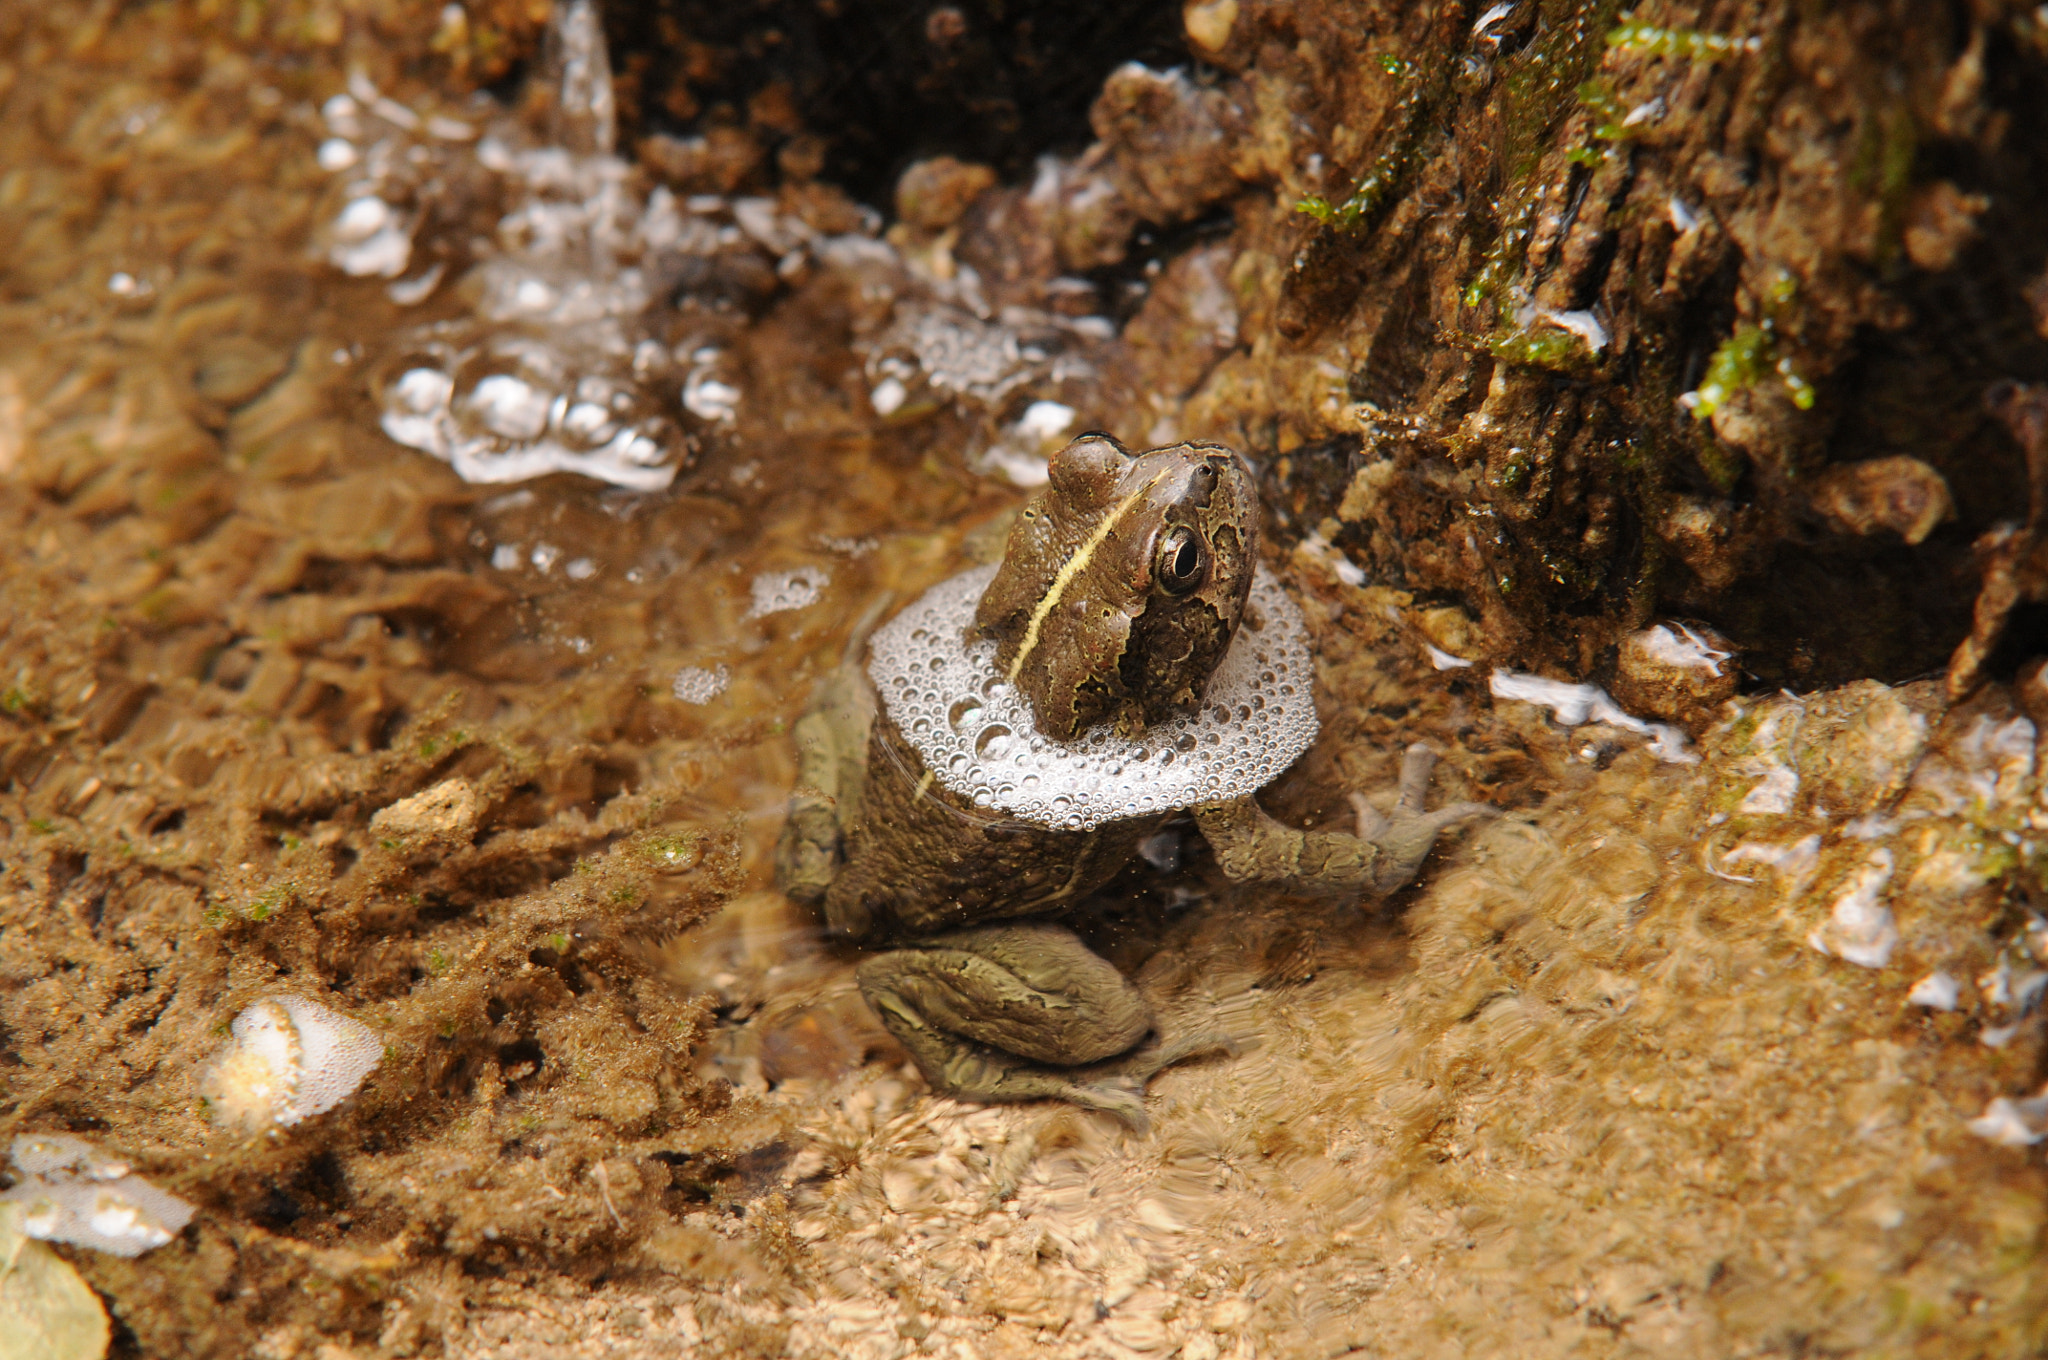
(696,685)
(1936,991)
(1772,795)
(69,1193)
(1573,704)
(2013,1123)
(1860,929)
(941,686)
(777,592)
(1674,644)
(288,1060)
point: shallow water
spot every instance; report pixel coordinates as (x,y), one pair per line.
(1641,1067)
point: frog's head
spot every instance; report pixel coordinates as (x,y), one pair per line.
(1124,582)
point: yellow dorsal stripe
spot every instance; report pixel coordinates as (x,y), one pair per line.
(1073,567)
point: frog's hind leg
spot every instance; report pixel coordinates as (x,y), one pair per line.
(995,1012)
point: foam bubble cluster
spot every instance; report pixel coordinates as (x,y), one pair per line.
(941,686)
(289,1059)
(68,1192)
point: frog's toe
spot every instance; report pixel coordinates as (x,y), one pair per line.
(1149,1061)
(1408,837)
(1417,764)
(1111,1098)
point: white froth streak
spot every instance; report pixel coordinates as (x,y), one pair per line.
(1674,644)
(1860,929)
(1573,705)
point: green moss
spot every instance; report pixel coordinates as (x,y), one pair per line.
(1502,259)
(1600,100)
(1548,347)
(437,962)
(1691,44)
(1739,363)
(1406,123)
(268,903)
(559,942)
(1887,145)
(1514,476)
(1539,84)
(671,851)
(1741,732)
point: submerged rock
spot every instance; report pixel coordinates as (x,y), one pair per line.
(46,1311)
(1677,672)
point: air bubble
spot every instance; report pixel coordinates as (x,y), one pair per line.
(975,733)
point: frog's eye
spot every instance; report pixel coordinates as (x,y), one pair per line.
(1182,562)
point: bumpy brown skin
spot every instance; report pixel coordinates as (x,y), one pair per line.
(921,859)
(1082,623)
(1119,593)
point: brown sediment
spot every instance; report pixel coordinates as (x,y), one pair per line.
(286,707)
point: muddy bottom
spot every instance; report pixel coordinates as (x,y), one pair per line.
(1635,1068)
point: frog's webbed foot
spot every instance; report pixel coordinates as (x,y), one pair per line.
(1118,1087)
(1406,837)
(1020,1012)
(1383,855)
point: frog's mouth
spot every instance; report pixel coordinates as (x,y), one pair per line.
(973,729)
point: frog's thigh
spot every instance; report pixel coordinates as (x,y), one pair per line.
(1031,989)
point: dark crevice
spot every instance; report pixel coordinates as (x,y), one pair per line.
(882,83)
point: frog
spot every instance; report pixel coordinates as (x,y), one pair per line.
(1124,584)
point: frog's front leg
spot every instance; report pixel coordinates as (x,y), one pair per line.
(996,1012)
(831,751)
(1383,855)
